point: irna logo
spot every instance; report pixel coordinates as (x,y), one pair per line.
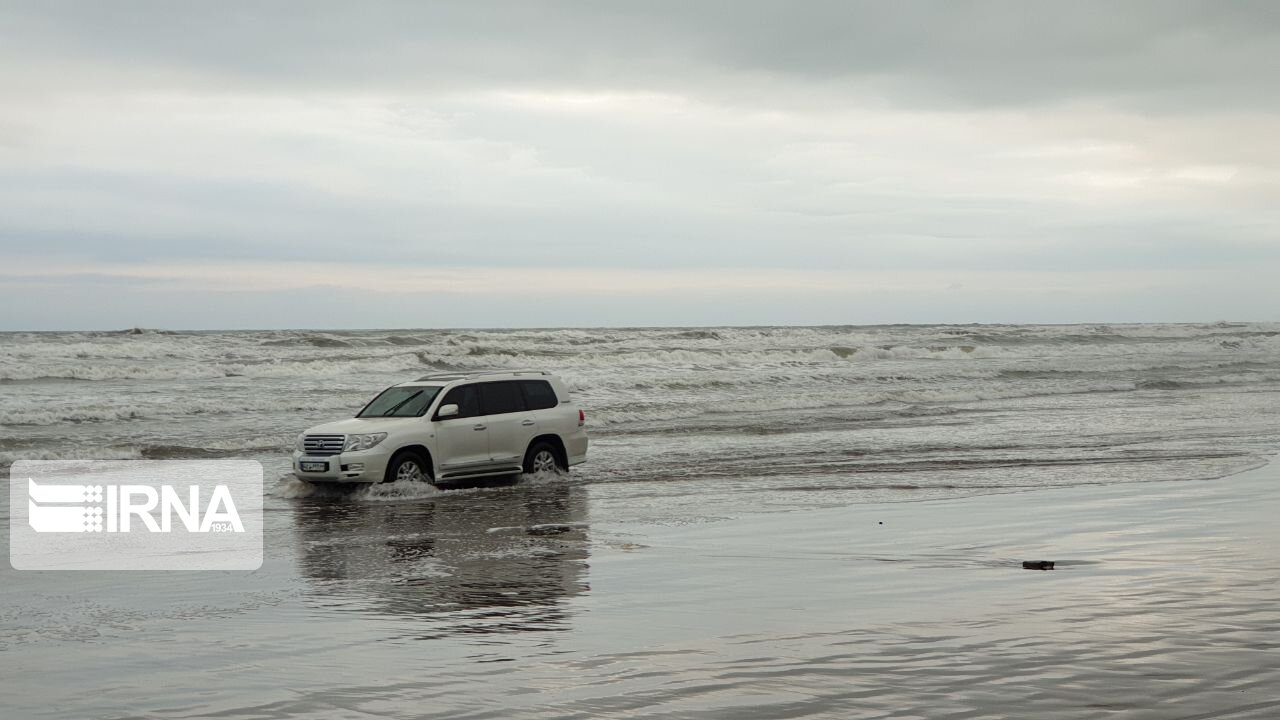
(136,514)
(80,508)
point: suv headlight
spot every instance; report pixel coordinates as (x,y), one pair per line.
(363,442)
(299,444)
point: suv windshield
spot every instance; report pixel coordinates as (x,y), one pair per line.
(401,402)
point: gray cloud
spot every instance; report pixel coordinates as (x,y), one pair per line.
(1165,54)
(974,137)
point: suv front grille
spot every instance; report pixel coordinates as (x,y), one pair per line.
(323,444)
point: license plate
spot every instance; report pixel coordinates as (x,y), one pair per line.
(314,466)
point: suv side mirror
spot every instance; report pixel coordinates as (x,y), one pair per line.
(447,411)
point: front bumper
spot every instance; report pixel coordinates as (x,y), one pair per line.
(359,466)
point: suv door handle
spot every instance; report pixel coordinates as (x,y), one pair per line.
(527,422)
(478,427)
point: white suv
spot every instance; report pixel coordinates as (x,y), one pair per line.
(449,427)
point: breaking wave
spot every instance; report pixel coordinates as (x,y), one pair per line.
(183,395)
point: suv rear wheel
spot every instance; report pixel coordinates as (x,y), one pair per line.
(542,457)
(408,466)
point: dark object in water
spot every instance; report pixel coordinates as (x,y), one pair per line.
(1037,564)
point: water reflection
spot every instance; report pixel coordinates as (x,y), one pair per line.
(477,561)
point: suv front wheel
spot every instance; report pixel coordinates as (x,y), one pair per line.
(408,466)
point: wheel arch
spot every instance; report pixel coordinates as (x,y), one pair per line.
(421,450)
(556,443)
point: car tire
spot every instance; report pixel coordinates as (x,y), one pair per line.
(542,457)
(408,466)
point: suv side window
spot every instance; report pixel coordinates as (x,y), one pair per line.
(538,394)
(466,398)
(497,398)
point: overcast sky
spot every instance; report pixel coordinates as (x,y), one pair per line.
(362,164)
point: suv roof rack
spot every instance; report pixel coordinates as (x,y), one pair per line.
(466,374)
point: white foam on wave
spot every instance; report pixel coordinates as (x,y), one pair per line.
(332,355)
(622,377)
(918,401)
(38,415)
(12,456)
(167,367)
(44,409)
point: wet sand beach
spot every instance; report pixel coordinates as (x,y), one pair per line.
(1163,604)
(537,600)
